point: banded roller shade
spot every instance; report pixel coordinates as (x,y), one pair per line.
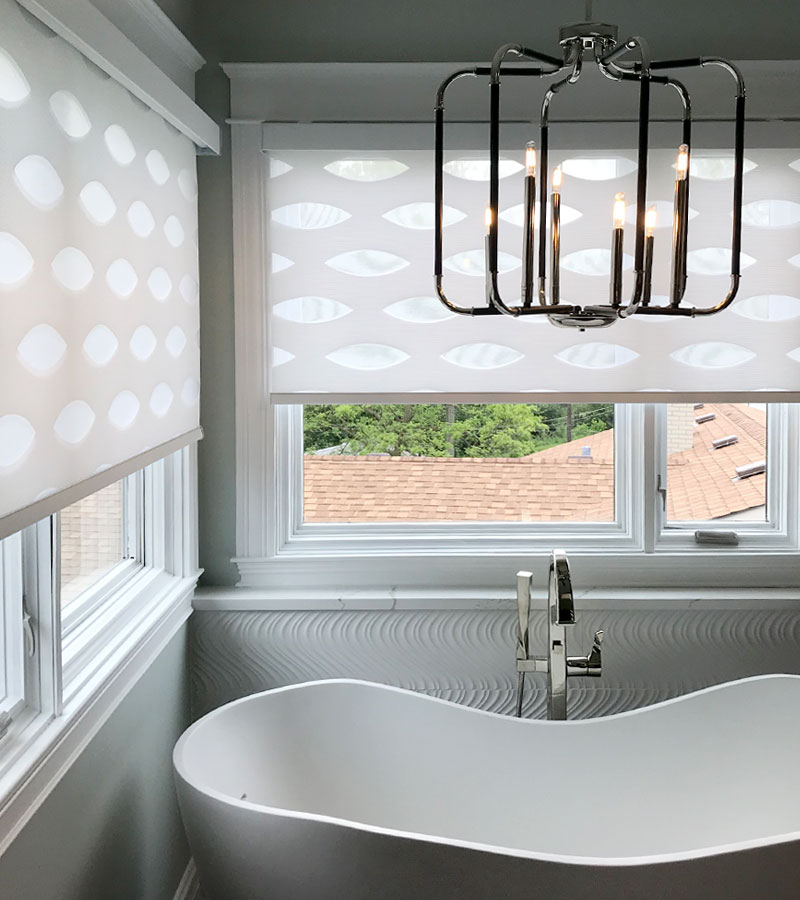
(354,317)
(99,357)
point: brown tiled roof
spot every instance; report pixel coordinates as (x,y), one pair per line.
(553,485)
(699,481)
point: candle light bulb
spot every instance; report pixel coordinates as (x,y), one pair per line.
(683,161)
(650,220)
(619,210)
(530,158)
(556,178)
(488,219)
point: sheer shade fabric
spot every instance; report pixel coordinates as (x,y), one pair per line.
(354,316)
(99,357)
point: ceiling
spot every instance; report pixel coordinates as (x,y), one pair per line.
(443,30)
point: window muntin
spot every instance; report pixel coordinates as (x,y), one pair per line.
(459,463)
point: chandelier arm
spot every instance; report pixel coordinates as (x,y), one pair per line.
(493,298)
(738,179)
(438,201)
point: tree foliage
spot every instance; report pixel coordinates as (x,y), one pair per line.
(477,430)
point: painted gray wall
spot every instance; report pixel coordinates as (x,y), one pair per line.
(365,30)
(111,827)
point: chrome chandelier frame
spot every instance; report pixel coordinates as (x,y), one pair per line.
(599,40)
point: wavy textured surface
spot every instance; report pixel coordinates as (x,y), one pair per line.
(467,656)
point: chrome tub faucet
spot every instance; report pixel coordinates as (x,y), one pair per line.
(560,614)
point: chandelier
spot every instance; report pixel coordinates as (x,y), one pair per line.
(625,61)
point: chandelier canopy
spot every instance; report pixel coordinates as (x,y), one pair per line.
(619,61)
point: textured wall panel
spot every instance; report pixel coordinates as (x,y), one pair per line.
(467,656)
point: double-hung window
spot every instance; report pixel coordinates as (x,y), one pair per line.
(383,441)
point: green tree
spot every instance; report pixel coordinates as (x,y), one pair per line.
(476,430)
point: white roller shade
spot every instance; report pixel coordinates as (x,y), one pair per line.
(99,357)
(354,317)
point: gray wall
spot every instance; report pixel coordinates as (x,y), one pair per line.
(366,30)
(111,827)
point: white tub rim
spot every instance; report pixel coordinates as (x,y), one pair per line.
(601,861)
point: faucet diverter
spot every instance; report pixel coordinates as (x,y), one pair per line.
(560,614)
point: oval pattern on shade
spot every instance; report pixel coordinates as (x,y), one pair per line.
(419,309)
(72,269)
(473,262)
(590,168)
(280,356)
(143,343)
(100,345)
(478,169)
(119,145)
(16,263)
(70,115)
(597,355)
(482,355)
(187,184)
(278,167)
(190,392)
(74,422)
(39,181)
(157,167)
(161,399)
(366,169)
(121,278)
(768,308)
(515,214)
(420,216)
(279,263)
(175,341)
(367,263)
(189,290)
(368,357)
(716,168)
(771,213)
(42,349)
(14,87)
(309,216)
(159,283)
(594,261)
(794,354)
(97,203)
(123,410)
(173,231)
(311,310)
(16,439)
(141,219)
(664,210)
(714,261)
(712,355)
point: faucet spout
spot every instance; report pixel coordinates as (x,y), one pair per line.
(560,600)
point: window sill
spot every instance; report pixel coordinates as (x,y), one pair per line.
(42,749)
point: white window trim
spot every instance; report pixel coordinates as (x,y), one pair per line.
(282,566)
(125,637)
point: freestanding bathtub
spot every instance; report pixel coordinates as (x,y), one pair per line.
(346,790)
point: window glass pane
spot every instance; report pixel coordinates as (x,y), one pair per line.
(92,540)
(459,462)
(716,462)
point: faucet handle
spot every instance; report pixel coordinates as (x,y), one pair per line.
(591,665)
(524,580)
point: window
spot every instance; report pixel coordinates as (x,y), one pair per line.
(80,592)
(681,515)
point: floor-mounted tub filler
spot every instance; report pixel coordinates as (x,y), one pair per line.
(346,790)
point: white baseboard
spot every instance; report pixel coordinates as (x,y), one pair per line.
(189,888)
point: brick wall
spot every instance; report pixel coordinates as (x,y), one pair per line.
(91,539)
